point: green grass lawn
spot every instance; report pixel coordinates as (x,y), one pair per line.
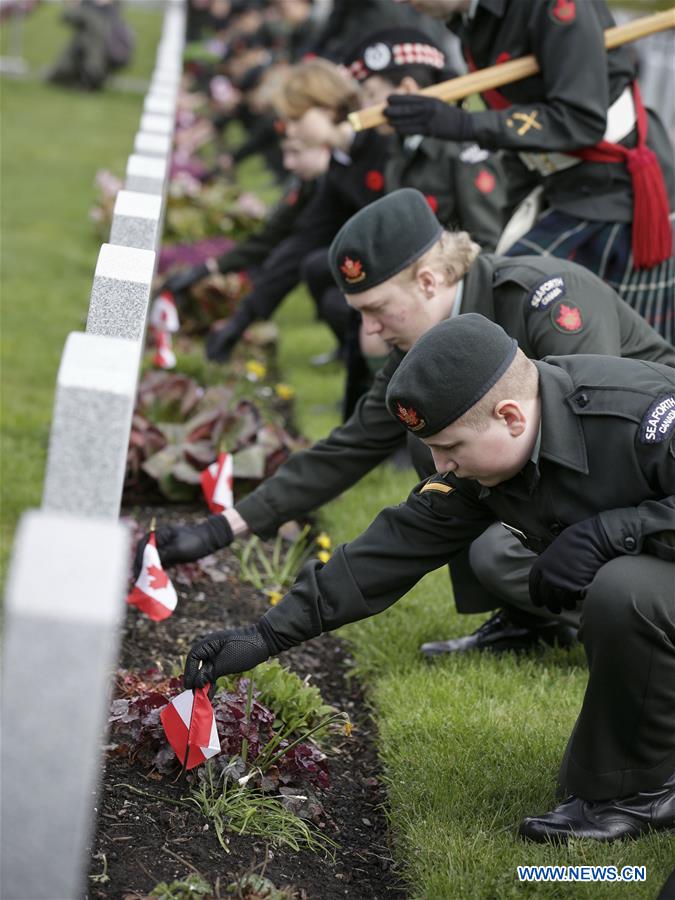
(469,745)
(52,143)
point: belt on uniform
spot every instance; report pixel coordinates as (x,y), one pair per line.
(621,118)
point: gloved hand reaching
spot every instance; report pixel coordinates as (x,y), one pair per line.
(561,574)
(416,114)
(182,280)
(224,653)
(186,543)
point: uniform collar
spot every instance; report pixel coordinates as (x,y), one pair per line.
(478,294)
(562,437)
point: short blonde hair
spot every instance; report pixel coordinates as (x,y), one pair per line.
(316,82)
(519,382)
(453,254)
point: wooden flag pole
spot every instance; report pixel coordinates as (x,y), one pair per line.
(514,70)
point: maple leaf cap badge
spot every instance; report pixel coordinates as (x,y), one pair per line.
(410,417)
(352,269)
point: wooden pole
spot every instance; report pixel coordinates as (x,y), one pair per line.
(514,70)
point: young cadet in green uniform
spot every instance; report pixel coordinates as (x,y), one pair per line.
(404,280)
(578,129)
(576,455)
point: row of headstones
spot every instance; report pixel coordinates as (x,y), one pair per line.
(68,573)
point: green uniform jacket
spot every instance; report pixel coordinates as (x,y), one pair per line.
(464,185)
(607,448)
(506,290)
(564,106)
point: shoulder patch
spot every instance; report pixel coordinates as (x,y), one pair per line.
(439,486)
(567,317)
(659,421)
(547,292)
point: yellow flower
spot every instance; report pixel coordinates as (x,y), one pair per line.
(275,597)
(284,391)
(323,555)
(324,541)
(256,369)
(348,728)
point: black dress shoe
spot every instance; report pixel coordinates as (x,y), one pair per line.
(501,634)
(605,820)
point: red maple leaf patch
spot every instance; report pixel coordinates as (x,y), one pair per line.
(352,270)
(569,317)
(410,417)
(158,578)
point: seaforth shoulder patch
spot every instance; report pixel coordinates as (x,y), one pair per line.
(439,486)
(546,292)
(659,421)
(566,317)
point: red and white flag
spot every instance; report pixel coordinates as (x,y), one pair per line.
(164,357)
(189,722)
(164,313)
(153,592)
(217,483)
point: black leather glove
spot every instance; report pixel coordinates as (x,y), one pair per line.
(415,114)
(224,653)
(220,342)
(186,543)
(561,574)
(181,281)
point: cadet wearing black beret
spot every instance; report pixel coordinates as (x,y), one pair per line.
(531,452)
(548,306)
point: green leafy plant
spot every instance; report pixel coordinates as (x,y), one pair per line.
(246,810)
(272,571)
(185,889)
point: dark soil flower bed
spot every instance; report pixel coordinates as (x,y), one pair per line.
(143,839)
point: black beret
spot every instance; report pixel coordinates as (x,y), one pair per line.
(447,371)
(393,48)
(382,239)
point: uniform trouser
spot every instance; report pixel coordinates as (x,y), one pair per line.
(502,566)
(624,739)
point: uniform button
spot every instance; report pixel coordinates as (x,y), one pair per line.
(629,543)
(581,400)
(556,528)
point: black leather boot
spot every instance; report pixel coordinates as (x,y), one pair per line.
(502,633)
(605,820)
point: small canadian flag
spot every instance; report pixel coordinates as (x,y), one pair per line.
(164,357)
(190,727)
(164,314)
(153,592)
(217,483)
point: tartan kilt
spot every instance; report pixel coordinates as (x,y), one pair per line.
(605,248)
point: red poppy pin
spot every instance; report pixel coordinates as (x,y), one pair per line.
(374,180)
(352,269)
(567,317)
(432,201)
(564,11)
(485,181)
(410,417)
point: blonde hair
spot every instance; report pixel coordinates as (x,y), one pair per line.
(316,82)
(452,254)
(519,382)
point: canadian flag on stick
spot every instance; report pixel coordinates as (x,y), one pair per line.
(217,483)
(190,727)
(153,592)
